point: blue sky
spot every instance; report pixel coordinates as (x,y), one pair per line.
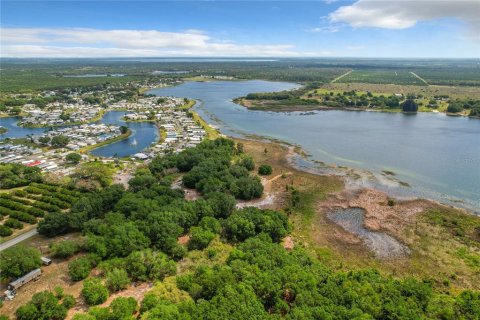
(357,28)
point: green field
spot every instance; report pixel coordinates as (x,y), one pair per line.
(401,77)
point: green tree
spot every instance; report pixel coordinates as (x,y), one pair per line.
(117,279)
(79,268)
(44,305)
(54,224)
(265,170)
(123,129)
(64,249)
(94,292)
(409,105)
(200,238)
(19,260)
(73,158)
(60,141)
(44,140)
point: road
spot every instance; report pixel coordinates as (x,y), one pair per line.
(419,78)
(340,77)
(16,240)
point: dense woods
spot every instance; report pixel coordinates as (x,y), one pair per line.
(132,236)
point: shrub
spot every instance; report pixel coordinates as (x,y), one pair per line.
(73,158)
(200,238)
(17,261)
(64,249)
(13,223)
(94,292)
(265,170)
(54,224)
(79,268)
(117,279)
(44,305)
(5,231)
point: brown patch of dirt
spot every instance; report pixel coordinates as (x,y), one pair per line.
(288,243)
(183,239)
(52,276)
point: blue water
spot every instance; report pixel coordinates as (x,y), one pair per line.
(144,133)
(438,155)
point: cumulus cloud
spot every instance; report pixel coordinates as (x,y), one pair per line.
(78,42)
(402,14)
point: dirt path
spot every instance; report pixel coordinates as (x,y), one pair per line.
(268,198)
(419,78)
(123,176)
(341,76)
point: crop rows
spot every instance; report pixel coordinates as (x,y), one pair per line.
(36,200)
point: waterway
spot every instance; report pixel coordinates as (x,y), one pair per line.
(143,134)
(427,155)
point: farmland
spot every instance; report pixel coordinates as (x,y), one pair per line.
(401,77)
(23,207)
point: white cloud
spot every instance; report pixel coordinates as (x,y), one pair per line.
(325,29)
(78,42)
(402,14)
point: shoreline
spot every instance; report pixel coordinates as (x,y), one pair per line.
(241,102)
(87,149)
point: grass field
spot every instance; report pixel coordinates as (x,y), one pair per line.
(402,77)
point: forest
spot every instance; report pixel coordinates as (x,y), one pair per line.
(133,236)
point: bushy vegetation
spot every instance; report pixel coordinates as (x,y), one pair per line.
(265,170)
(46,305)
(133,236)
(14,175)
(19,260)
(94,292)
(209,169)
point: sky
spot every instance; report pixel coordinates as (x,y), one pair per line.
(323,28)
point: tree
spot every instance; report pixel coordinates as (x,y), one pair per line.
(64,249)
(247,162)
(123,129)
(200,238)
(79,268)
(265,170)
(45,305)
(117,279)
(455,107)
(44,140)
(221,203)
(251,221)
(5,231)
(248,188)
(19,260)
(54,224)
(409,105)
(73,158)
(94,292)
(60,141)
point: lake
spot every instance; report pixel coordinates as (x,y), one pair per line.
(143,134)
(437,155)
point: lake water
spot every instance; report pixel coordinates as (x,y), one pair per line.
(383,245)
(143,134)
(438,155)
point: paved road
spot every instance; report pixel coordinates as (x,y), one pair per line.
(20,238)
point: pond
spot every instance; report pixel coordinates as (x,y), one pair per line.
(143,134)
(383,245)
(437,155)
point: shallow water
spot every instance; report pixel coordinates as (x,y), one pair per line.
(439,156)
(383,245)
